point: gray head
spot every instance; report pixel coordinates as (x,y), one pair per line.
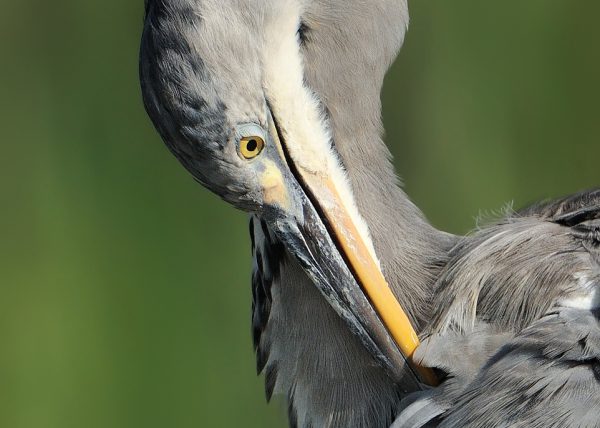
(223,82)
(201,83)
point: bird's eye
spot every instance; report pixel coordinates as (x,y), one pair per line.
(250,147)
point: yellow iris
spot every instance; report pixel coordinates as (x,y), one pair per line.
(250,147)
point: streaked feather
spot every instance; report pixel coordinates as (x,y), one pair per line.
(516,356)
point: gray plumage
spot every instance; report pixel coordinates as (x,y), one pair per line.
(547,375)
(514,354)
(329,378)
(489,302)
(507,276)
(512,272)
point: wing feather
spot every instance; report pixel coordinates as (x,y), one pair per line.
(514,350)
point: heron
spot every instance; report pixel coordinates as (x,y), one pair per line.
(274,105)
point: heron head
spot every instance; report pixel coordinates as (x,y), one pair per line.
(224,84)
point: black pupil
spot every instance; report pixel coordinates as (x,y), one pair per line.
(252,145)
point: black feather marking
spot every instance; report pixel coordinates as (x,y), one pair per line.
(568,210)
(268,256)
(270,380)
(261,301)
(251,230)
(303,33)
(580,212)
(581,215)
(596,370)
(262,357)
(266,231)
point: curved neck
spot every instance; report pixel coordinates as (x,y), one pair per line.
(410,250)
(307,351)
(348,83)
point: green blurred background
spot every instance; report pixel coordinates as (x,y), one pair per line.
(125,297)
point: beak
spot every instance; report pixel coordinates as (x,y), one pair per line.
(327,240)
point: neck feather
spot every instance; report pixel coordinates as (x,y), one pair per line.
(307,352)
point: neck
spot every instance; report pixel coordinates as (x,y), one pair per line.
(307,352)
(348,82)
(410,250)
